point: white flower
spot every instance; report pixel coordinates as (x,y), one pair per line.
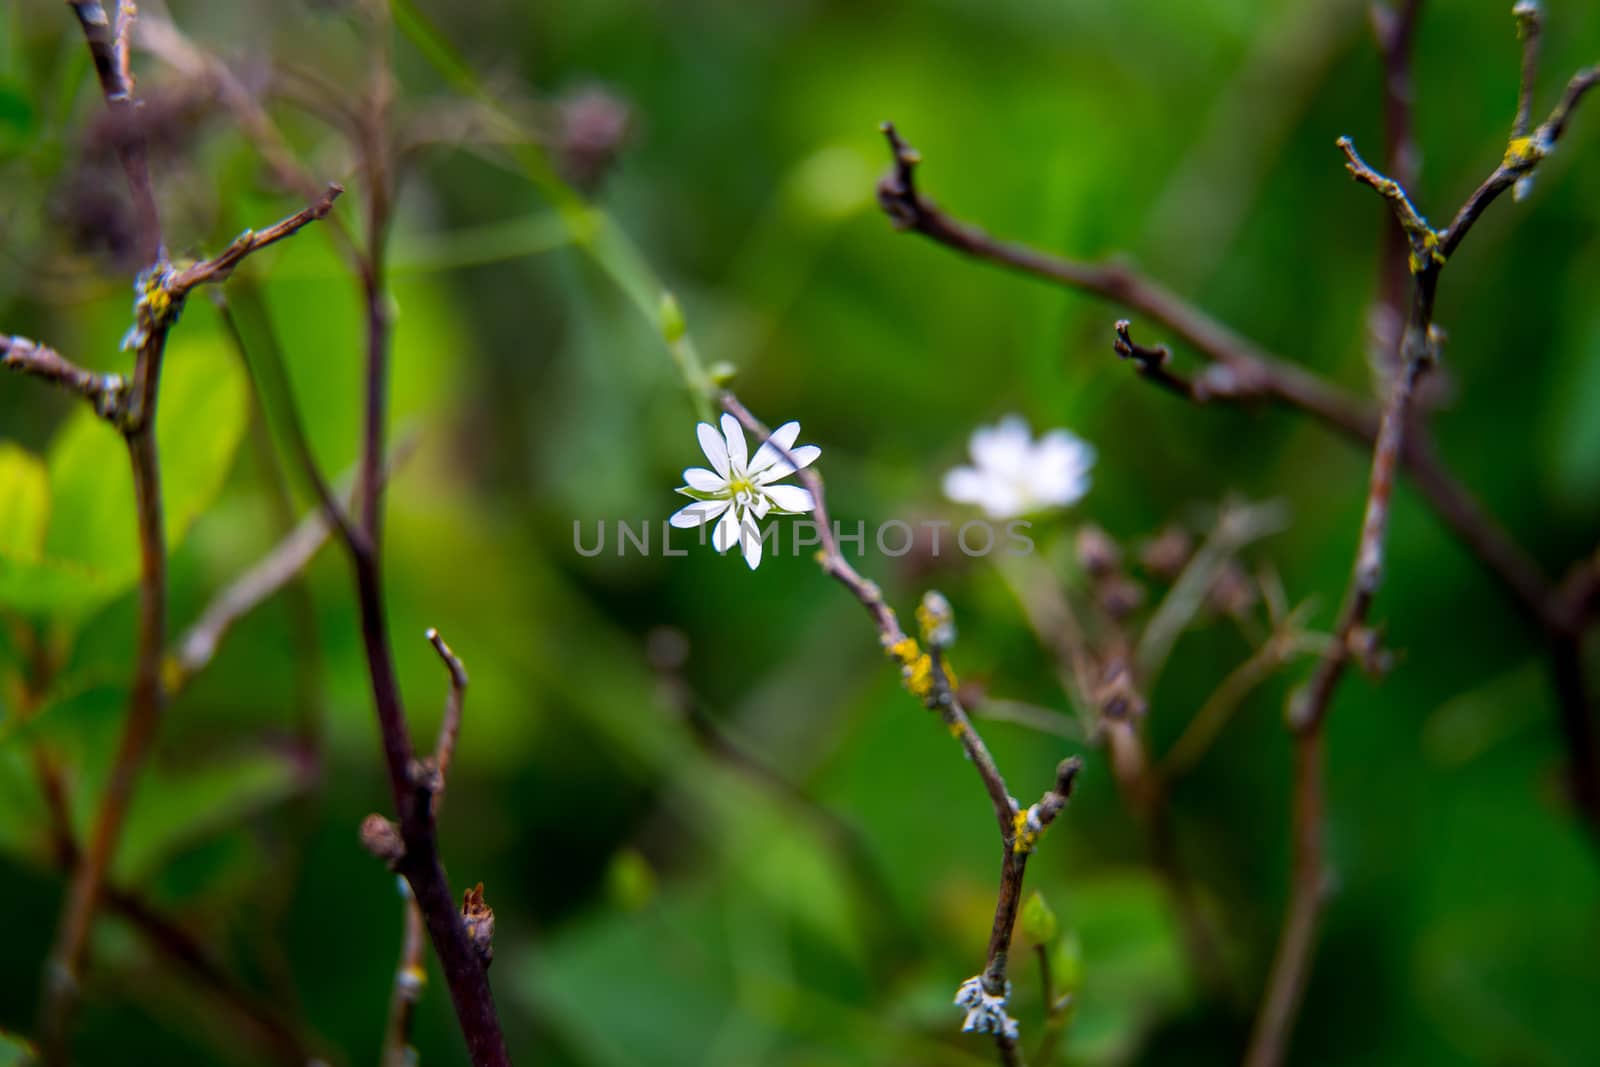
(739,491)
(1012,474)
(986,1013)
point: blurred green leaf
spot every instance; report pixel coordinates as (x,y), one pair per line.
(24,506)
(630,880)
(14,1052)
(90,549)
(1039,923)
(1133,968)
(174,808)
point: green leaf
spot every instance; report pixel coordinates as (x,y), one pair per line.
(14,1052)
(1132,963)
(1038,921)
(90,548)
(24,505)
(177,809)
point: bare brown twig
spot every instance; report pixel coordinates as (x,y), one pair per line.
(1239,370)
(413,845)
(411,974)
(162,299)
(928,678)
(1431,249)
(105,392)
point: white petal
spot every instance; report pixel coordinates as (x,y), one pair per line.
(1060,448)
(964,485)
(1001,500)
(773,447)
(759,505)
(697,514)
(727,531)
(715,448)
(791,497)
(704,480)
(738,452)
(1005,448)
(804,456)
(750,543)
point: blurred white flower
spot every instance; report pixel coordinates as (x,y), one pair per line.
(739,491)
(1012,474)
(986,1013)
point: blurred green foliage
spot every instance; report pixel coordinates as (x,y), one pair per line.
(654,904)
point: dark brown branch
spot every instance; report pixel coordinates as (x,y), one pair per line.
(411,973)
(1151,362)
(928,678)
(1424,240)
(107,38)
(1522,157)
(410,977)
(1395,32)
(104,392)
(1240,371)
(1530,26)
(1291,966)
(893,639)
(161,299)
(413,783)
(450,726)
(1308,891)
(219,267)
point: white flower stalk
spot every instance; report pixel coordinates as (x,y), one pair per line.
(986,1013)
(740,490)
(1012,474)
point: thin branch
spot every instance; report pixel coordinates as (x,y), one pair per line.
(893,639)
(1291,966)
(104,392)
(162,38)
(1530,24)
(1410,219)
(411,974)
(1237,526)
(1151,362)
(410,978)
(1240,370)
(450,726)
(1395,31)
(1523,156)
(1308,891)
(162,291)
(1208,722)
(928,677)
(194,650)
(107,38)
(413,846)
(219,267)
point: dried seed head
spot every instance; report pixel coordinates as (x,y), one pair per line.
(1098,554)
(382,838)
(1166,554)
(478,918)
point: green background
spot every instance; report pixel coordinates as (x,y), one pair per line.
(653,905)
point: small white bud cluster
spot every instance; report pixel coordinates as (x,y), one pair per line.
(986,1012)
